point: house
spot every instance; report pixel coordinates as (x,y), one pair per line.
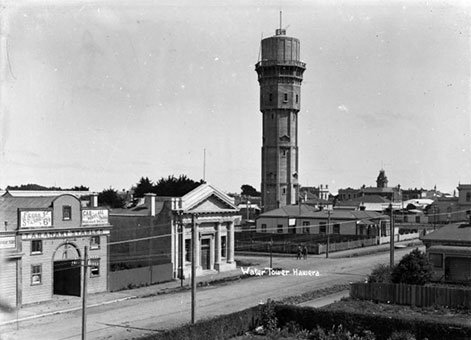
(305,219)
(369,203)
(449,251)
(158,233)
(42,243)
(451,209)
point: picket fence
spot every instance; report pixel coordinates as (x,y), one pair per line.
(412,295)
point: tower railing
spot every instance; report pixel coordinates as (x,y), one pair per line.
(280,62)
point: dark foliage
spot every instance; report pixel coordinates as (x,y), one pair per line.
(144,186)
(110,198)
(175,187)
(38,187)
(171,186)
(414,268)
(248,190)
(381,274)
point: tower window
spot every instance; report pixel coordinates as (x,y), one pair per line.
(270,97)
(284,190)
(297,99)
(285,99)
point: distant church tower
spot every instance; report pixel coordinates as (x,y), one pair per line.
(280,73)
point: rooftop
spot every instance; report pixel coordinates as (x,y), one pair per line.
(456,232)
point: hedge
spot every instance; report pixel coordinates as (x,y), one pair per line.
(220,327)
(382,326)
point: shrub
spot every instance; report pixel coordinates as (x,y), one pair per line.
(402,335)
(414,268)
(269,319)
(381,274)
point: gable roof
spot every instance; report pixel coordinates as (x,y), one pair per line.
(455,232)
(308,211)
(9,208)
(206,198)
(44,193)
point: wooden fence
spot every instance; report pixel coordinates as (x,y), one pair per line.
(412,295)
(291,247)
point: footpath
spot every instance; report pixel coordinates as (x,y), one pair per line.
(64,304)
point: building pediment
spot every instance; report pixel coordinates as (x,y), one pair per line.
(205,198)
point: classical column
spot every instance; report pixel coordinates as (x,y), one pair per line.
(218,244)
(230,235)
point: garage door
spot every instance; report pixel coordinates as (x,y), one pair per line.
(8,282)
(458,269)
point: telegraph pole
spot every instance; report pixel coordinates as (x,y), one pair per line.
(194,234)
(181,245)
(84,293)
(328,235)
(391,237)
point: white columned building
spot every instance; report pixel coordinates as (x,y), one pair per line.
(214,215)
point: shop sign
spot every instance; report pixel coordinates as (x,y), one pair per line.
(7,242)
(36,219)
(94,216)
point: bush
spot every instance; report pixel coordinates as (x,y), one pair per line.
(380,274)
(414,268)
(269,319)
(402,335)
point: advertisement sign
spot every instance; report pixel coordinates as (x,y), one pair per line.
(7,242)
(35,219)
(94,216)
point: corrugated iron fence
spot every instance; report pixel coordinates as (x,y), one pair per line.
(412,295)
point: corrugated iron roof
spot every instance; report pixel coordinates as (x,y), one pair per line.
(456,232)
(9,208)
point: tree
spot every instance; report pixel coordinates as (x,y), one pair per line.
(110,198)
(380,274)
(144,186)
(414,268)
(248,190)
(175,187)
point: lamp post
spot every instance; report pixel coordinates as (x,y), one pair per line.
(181,245)
(328,235)
(391,237)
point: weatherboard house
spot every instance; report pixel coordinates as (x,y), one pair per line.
(42,242)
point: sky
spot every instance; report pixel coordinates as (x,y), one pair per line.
(101,93)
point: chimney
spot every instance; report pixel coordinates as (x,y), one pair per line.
(93,200)
(150,203)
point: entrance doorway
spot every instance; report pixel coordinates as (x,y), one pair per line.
(67,277)
(205,254)
(67,270)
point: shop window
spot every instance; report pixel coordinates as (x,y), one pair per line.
(322,227)
(336,228)
(436,260)
(66,213)
(36,247)
(188,250)
(417,219)
(95,242)
(223,246)
(94,267)
(264,228)
(36,274)
(279,228)
(306,229)
(468,196)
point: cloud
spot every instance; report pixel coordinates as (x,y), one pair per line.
(343,108)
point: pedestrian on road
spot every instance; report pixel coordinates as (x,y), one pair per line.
(305,252)
(298,254)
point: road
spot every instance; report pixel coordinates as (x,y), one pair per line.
(133,318)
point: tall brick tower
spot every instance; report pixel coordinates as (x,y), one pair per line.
(280,73)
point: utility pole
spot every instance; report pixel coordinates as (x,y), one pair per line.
(181,245)
(194,234)
(328,235)
(84,293)
(391,237)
